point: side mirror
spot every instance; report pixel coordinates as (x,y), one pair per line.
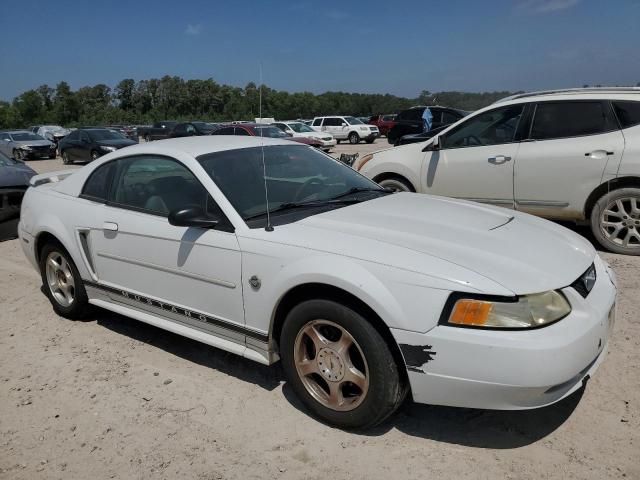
(434,145)
(343,124)
(191,217)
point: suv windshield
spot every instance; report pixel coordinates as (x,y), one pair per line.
(25,136)
(300,127)
(301,181)
(353,121)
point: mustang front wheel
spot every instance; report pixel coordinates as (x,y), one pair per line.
(339,365)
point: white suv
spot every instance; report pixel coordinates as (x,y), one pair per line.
(566,155)
(346,128)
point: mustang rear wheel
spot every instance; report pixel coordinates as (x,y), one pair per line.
(615,221)
(62,283)
(339,365)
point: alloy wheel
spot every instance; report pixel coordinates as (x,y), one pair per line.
(620,222)
(60,279)
(331,365)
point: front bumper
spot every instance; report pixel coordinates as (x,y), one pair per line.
(512,370)
(36,153)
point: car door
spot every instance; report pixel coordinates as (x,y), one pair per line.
(476,159)
(142,260)
(569,147)
(82,149)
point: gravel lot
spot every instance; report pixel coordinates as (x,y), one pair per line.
(114,398)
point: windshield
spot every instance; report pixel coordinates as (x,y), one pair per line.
(300,127)
(105,135)
(25,136)
(294,175)
(270,132)
(203,126)
(353,121)
(53,128)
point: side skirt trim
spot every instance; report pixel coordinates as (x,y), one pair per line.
(176,310)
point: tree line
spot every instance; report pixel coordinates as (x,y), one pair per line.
(145,101)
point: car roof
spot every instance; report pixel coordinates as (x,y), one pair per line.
(17,131)
(587,92)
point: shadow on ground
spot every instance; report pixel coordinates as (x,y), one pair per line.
(461,426)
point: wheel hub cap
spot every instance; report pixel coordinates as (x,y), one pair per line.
(330,364)
(620,223)
(60,279)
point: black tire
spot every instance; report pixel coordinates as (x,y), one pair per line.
(79,307)
(371,140)
(18,155)
(397,184)
(65,158)
(385,387)
(628,220)
(94,155)
(146,138)
(354,138)
(337,142)
(52,156)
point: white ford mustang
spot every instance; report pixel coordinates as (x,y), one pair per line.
(365,296)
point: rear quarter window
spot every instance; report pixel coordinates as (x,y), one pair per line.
(628,113)
(97,186)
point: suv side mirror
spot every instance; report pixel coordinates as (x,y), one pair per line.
(191,217)
(434,145)
(343,124)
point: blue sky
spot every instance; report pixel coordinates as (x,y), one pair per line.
(399,47)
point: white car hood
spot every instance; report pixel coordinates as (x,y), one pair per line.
(522,253)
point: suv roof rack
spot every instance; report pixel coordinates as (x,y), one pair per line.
(569,91)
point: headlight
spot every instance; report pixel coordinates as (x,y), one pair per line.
(364,128)
(528,311)
(24,147)
(107,149)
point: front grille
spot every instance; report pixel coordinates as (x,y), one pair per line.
(326,139)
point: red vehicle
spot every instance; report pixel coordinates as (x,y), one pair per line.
(383,122)
(263,130)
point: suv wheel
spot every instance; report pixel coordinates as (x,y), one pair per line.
(396,184)
(615,221)
(354,138)
(339,365)
(62,282)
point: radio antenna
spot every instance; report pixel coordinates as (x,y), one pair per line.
(269,227)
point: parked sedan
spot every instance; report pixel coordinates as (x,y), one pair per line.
(365,296)
(263,130)
(25,145)
(300,130)
(88,144)
(14,181)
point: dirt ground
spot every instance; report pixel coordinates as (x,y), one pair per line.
(114,398)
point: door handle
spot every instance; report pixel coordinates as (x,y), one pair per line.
(111,226)
(499,159)
(599,153)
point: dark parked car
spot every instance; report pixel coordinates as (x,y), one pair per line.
(263,130)
(158,131)
(190,129)
(126,130)
(25,145)
(412,120)
(419,137)
(14,181)
(87,144)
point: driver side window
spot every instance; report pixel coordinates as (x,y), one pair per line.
(493,127)
(157,185)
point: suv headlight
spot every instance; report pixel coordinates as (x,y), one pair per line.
(107,148)
(527,311)
(364,128)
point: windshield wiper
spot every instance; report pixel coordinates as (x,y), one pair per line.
(353,190)
(293,205)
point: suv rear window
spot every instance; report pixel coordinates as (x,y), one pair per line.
(628,113)
(317,122)
(571,119)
